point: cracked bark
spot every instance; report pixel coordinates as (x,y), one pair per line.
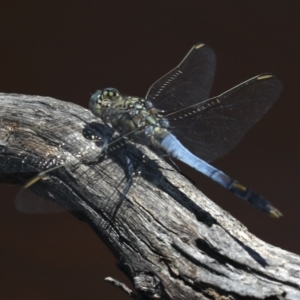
(170,240)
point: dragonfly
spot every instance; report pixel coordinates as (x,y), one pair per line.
(178,118)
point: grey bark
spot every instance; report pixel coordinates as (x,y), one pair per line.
(170,239)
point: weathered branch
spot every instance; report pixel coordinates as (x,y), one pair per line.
(171,241)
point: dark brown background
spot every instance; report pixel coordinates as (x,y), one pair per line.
(69,51)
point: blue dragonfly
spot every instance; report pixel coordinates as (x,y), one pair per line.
(178,118)
(208,127)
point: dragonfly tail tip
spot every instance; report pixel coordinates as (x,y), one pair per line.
(275,213)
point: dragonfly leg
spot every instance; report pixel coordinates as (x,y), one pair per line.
(133,168)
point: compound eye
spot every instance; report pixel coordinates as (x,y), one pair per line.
(110,93)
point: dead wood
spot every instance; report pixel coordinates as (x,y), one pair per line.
(170,239)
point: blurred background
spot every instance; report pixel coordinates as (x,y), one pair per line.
(67,51)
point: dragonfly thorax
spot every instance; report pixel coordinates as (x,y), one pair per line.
(131,116)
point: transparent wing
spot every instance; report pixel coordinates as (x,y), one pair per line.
(27,201)
(213,127)
(188,83)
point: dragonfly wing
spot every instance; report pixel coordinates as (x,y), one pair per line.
(190,80)
(213,127)
(28,202)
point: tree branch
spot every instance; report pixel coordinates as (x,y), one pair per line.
(170,240)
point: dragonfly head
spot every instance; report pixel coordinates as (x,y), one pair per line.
(102,100)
